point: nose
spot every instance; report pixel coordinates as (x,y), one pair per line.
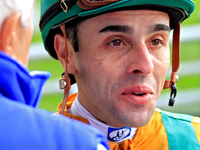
(141,60)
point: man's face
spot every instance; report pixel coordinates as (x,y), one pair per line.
(121,65)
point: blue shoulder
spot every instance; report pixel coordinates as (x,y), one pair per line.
(24,127)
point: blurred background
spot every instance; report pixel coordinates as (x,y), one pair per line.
(188,85)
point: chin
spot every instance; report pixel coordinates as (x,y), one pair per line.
(141,119)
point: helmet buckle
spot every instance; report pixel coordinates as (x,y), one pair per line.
(63,5)
(62,83)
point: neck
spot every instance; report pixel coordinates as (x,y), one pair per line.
(112,133)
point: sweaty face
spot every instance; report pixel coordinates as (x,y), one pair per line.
(121,65)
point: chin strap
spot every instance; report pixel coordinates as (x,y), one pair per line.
(175,65)
(65,81)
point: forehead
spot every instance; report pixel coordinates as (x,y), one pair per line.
(132,17)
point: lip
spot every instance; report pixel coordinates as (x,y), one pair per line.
(139,95)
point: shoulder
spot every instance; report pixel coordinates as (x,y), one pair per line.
(176,119)
(21,125)
(181,129)
(169,116)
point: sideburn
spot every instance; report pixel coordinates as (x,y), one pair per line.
(72,34)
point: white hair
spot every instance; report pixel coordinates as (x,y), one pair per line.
(9,7)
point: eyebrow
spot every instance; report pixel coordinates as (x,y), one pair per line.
(117,28)
(161,27)
(129,30)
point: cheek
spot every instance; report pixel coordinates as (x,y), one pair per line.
(160,73)
(89,68)
(93,59)
(162,62)
(96,73)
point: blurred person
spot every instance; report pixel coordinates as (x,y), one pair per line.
(23,126)
(118,52)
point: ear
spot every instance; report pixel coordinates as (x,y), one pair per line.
(8,34)
(59,45)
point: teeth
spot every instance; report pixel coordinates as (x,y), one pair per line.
(136,93)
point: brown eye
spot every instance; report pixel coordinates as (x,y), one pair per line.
(116,42)
(156,42)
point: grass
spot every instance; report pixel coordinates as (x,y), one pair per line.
(188,82)
(50,102)
(51,65)
(190,51)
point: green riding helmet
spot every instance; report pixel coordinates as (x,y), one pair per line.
(57,12)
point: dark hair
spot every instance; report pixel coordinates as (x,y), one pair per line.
(72,33)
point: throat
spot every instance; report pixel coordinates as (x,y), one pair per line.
(113,134)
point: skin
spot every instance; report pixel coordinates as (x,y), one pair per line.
(121,65)
(16,39)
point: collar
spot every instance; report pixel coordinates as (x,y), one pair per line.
(113,134)
(18,84)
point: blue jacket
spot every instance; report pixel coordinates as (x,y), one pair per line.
(24,127)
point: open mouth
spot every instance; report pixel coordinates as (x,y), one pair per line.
(135,93)
(138,98)
(138,94)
